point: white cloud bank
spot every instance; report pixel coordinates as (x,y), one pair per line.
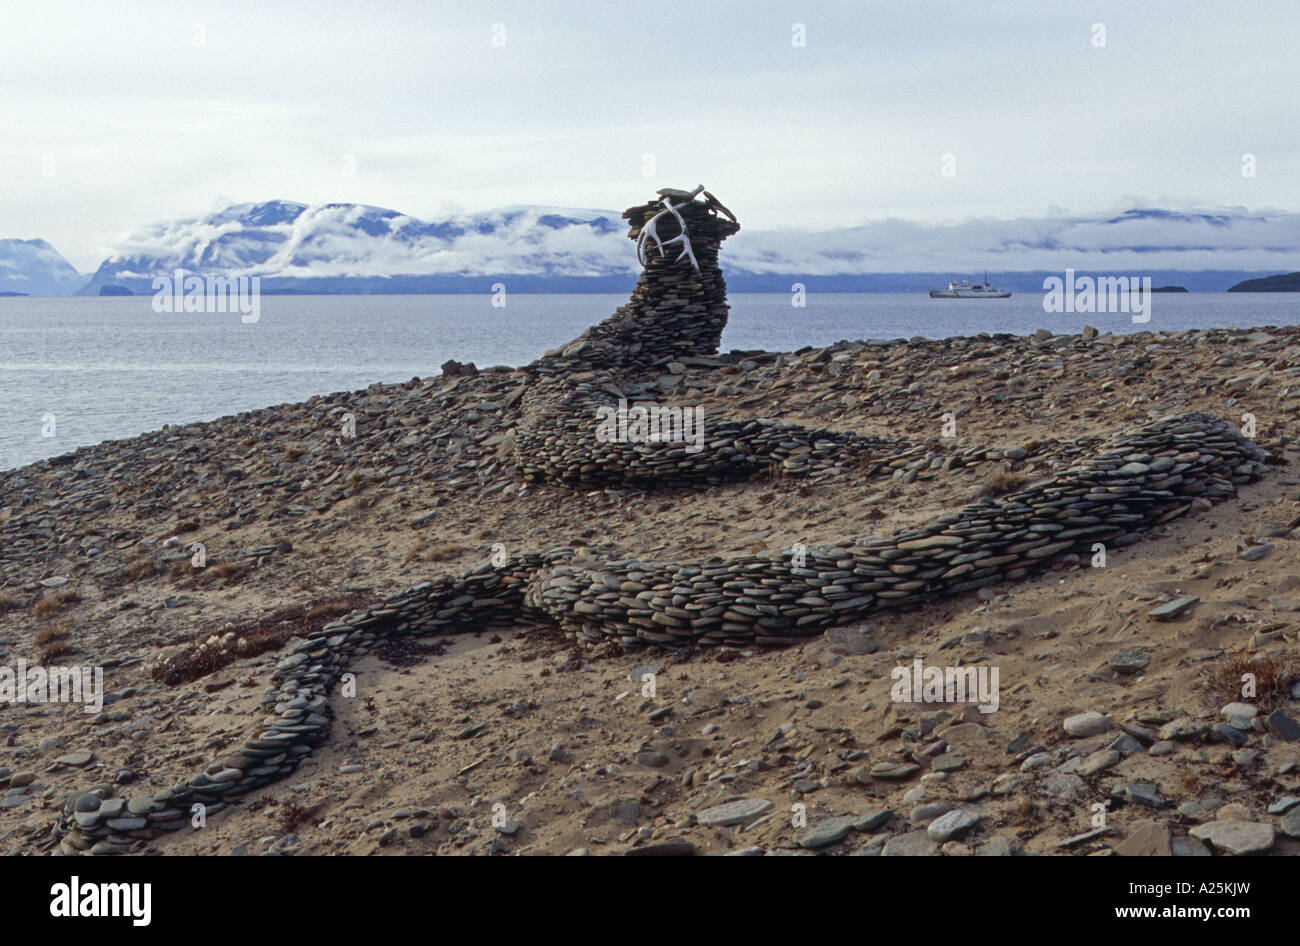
(284,239)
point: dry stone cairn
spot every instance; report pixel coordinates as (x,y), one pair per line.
(677,313)
(1138,480)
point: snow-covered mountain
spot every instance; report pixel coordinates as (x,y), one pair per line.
(34,268)
(358,248)
(295,247)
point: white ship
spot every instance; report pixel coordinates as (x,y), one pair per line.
(962,289)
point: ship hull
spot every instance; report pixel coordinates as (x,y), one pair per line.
(941,294)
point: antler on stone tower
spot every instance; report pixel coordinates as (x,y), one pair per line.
(679,306)
(682,296)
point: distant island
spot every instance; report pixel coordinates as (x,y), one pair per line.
(9,294)
(1285,282)
(1139,290)
(115,291)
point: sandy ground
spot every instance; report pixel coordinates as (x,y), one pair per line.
(573,755)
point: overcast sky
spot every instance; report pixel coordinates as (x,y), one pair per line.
(118,114)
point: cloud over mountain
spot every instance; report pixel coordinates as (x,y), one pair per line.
(1132,242)
(282,240)
(359,248)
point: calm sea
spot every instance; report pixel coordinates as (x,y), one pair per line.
(95,369)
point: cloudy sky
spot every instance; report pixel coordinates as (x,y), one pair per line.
(119,114)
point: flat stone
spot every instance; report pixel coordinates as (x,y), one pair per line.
(110,847)
(994,847)
(1188,847)
(955,824)
(1101,759)
(1129,661)
(1184,728)
(1201,809)
(1229,734)
(1234,811)
(1245,757)
(872,819)
(620,810)
(1148,840)
(143,805)
(77,759)
(1290,825)
(651,758)
(1125,743)
(948,762)
(669,847)
(1008,784)
(1144,793)
(1036,761)
(1239,710)
(966,734)
(931,542)
(1064,785)
(470,731)
(1283,805)
(1084,838)
(128,824)
(1256,552)
(740,811)
(928,811)
(1020,742)
(1236,837)
(894,771)
(1172,609)
(912,844)
(1140,733)
(828,832)
(1083,725)
(1283,726)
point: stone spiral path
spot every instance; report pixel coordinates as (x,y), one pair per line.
(1138,480)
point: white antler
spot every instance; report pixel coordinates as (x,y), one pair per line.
(649,232)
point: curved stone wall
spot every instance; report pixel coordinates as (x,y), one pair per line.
(1143,479)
